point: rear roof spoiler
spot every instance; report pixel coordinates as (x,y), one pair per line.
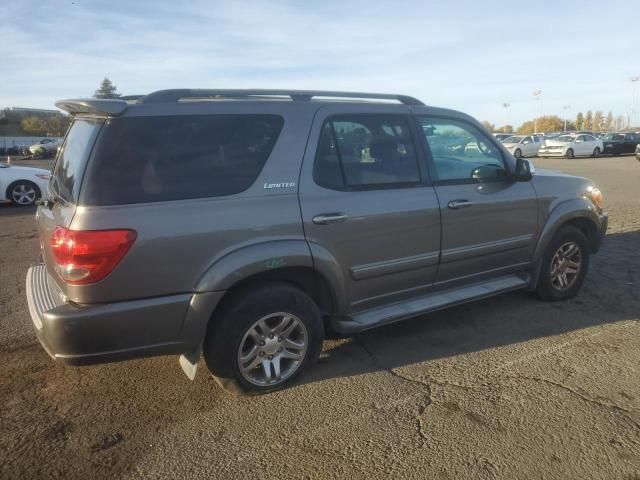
(94,106)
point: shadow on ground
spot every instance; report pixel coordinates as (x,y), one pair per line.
(611,294)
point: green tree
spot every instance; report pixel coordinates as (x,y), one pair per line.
(505,129)
(489,126)
(107,90)
(57,125)
(588,121)
(597,120)
(33,126)
(608,123)
(579,121)
(547,123)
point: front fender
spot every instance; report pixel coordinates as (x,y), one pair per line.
(562,213)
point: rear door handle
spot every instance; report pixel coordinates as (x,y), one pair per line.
(329,218)
(456,204)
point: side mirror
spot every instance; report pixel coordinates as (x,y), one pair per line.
(524,170)
(488,172)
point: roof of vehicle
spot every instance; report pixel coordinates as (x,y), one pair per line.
(119,105)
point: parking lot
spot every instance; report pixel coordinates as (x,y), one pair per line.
(509,387)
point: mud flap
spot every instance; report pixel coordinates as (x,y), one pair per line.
(189,362)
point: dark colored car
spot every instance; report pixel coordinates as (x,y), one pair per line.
(620,143)
(244,224)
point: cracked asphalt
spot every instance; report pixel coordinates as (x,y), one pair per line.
(509,387)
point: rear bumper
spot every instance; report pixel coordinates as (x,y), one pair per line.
(89,334)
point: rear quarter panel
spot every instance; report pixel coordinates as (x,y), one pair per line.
(179,241)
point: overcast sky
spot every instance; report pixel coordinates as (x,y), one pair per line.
(470,55)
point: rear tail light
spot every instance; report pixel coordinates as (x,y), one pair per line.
(84,257)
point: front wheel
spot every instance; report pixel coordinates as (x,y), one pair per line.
(596,152)
(564,265)
(517,153)
(263,339)
(570,153)
(23,193)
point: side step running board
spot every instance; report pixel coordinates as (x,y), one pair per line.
(428,303)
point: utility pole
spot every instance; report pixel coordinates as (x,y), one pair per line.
(505,105)
(632,119)
(536,98)
(565,108)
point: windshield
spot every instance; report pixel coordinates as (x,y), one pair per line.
(564,138)
(613,136)
(67,172)
(513,139)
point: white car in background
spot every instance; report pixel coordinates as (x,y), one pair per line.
(47,146)
(523,145)
(22,186)
(571,146)
(502,136)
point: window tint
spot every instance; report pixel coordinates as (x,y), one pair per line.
(365,151)
(461,153)
(149,159)
(589,138)
(67,173)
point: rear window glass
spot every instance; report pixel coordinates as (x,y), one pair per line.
(152,159)
(67,173)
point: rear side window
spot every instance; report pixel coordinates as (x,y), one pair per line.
(152,159)
(67,173)
(364,152)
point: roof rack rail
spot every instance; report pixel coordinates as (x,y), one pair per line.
(166,96)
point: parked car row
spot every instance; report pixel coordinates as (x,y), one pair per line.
(45,147)
(570,145)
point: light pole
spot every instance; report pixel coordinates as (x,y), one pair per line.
(565,108)
(505,105)
(536,98)
(632,120)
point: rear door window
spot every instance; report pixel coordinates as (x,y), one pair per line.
(69,167)
(151,159)
(357,152)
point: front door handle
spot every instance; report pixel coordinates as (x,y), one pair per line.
(456,204)
(329,218)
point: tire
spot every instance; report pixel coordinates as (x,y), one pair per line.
(570,153)
(596,152)
(23,193)
(249,322)
(517,153)
(548,288)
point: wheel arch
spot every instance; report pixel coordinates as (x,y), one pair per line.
(288,261)
(7,192)
(577,212)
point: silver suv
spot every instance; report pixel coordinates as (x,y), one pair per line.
(244,224)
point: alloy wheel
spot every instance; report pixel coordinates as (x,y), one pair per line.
(273,349)
(23,194)
(565,266)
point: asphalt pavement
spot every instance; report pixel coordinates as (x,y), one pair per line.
(509,387)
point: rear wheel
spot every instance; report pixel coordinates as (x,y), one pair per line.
(263,339)
(23,193)
(596,152)
(570,153)
(564,265)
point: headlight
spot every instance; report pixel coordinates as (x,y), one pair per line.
(43,176)
(596,196)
